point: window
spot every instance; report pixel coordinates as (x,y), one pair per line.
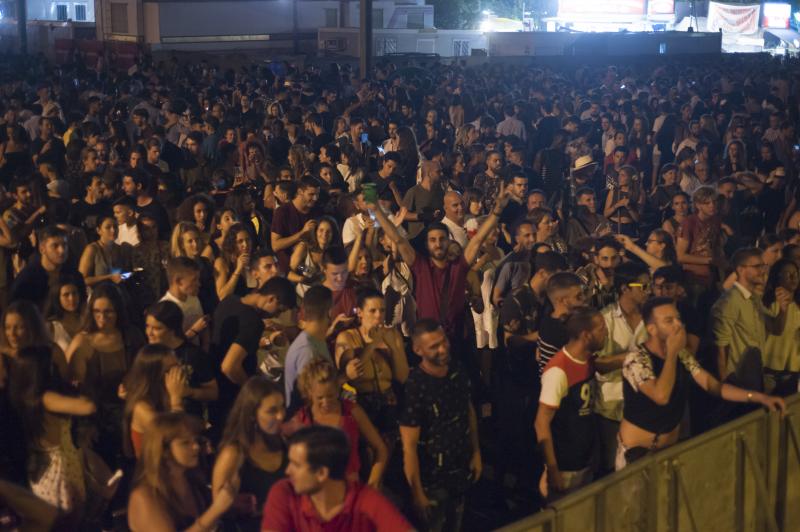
(415,20)
(426,46)
(385,46)
(460,48)
(377,19)
(331,18)
(119,17)
(80,11)
(62,12)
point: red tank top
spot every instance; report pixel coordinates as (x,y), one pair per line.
(348,424)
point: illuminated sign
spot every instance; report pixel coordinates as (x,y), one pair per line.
(605,7)
(776,15)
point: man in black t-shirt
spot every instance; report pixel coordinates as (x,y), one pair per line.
(88,210)
(33,281)
(235,337)
(439,430)
(142,187)
(522,312)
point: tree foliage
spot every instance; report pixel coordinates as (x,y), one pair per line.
(456,14)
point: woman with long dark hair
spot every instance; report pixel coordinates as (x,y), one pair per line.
(99,358)
(55,472)
(170,490)
(199,210)
(164,326)
(104,259)
(64,309)
(223,221)
(23,326)
(381,354)
(305,264)
(231,267)
(154,384)
(252,453)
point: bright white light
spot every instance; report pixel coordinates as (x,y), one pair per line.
(487,25)
(486,12)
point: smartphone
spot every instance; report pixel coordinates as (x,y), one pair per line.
(125,276)
(381,150)
(364,138)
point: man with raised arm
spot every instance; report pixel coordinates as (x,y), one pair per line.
(440,275)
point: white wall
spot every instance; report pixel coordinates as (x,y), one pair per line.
(46,9)
(406,41)
(179,21)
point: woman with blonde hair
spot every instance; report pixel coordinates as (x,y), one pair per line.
(319,385)
(170,490)
(299,161)
(466,135)
(187,241)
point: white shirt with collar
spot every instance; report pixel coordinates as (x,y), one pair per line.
(621,339)
(747,294)
(458,232)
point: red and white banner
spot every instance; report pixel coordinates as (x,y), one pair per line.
(733,18)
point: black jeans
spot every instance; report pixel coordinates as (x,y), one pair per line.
(446,512)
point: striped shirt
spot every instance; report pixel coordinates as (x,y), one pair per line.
(552,337)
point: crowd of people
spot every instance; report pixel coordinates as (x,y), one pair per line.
(284,297)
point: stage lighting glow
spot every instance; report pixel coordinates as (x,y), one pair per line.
(606,7)
(776,15)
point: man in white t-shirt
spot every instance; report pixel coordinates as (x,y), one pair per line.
(454,217)
(184,282)
(125,214)
(357,223)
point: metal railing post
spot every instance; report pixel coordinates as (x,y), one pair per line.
(761,485)
(684,494)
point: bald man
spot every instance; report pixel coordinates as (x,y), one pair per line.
(454,217)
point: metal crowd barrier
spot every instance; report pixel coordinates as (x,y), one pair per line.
(741,477)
